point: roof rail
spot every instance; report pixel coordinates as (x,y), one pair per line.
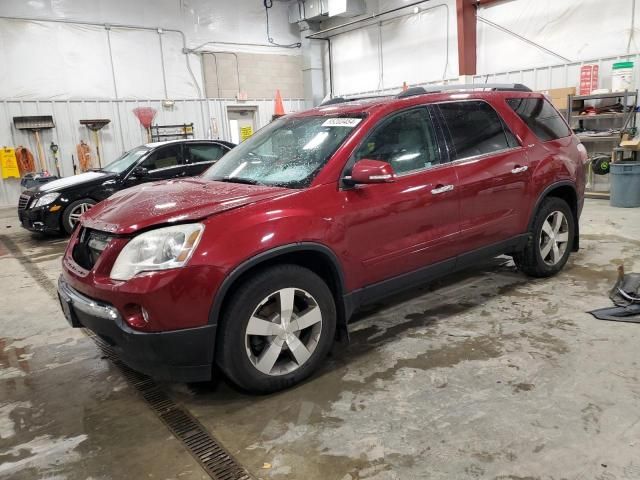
(496,87)
(334,100)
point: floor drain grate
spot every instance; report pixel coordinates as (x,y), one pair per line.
(213,458)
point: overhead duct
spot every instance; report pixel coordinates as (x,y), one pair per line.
(318,10)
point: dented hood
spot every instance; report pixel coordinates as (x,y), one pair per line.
(172,201)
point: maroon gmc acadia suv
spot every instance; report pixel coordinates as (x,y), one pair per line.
(257,264)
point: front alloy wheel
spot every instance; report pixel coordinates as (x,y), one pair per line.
(283,331)
(276,328)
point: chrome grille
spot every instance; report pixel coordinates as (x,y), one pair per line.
(23,202)
(90,247)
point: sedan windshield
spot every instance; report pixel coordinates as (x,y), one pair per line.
(126,160)
(286,153)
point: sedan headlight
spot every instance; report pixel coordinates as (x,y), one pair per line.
(45,199)
(160,249)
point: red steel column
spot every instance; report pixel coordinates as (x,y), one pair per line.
(466,13)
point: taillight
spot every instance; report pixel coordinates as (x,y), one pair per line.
(584,157)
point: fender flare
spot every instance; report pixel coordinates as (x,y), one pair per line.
(221,294)
(544,194)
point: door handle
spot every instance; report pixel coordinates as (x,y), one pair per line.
(520,169)
(441,189)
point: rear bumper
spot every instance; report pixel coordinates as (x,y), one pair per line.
(40,220)
(179,355)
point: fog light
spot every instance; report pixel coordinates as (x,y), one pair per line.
(136,316)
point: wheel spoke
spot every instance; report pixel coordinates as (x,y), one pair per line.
(286,305)
(555,255)
(268,358)
(557,222)
(299,351)
(310,317)
(547,228)
(544,251)
(562,237)
(258,326)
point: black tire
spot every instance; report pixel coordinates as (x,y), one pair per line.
(232,356)
(67,223)
(530,260)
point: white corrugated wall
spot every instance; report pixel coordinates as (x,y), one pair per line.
(124,131)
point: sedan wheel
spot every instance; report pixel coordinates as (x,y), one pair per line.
(76,213)
(73,212)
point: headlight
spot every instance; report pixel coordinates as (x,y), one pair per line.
(46,199)
(161,249)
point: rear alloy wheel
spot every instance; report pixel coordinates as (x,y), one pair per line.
(554,238)
(74,211)
(551,239)
(277,328)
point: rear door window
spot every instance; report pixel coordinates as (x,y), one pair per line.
(205,152)
(475,128)
(543,120)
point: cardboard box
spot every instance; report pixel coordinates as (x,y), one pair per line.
(558,96)
(630,143)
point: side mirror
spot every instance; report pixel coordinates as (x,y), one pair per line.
(140,172)
(371,171)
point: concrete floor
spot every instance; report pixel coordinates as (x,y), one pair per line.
(487,374)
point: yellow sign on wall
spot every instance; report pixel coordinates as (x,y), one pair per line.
(9,163)
(245,132)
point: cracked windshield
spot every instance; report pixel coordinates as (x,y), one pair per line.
(286,153)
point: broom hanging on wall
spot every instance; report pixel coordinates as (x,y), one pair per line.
(145,116)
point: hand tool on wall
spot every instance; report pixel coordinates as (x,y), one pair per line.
(54,150)
(95,125)
(84,156)
(36,123)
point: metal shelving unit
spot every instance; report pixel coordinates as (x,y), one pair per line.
(598,185)
(161,133)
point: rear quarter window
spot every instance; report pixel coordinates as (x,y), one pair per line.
(543,120)
(475,128)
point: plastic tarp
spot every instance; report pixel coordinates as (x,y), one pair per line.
(411,48)
(576,30)
(63,61)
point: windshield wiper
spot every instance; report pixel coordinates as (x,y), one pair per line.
(247,181)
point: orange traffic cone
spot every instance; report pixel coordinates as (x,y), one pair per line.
(278,109)
(405,87)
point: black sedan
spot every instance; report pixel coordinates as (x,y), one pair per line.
(56,206)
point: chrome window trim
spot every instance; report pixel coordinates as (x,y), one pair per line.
(482,156)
